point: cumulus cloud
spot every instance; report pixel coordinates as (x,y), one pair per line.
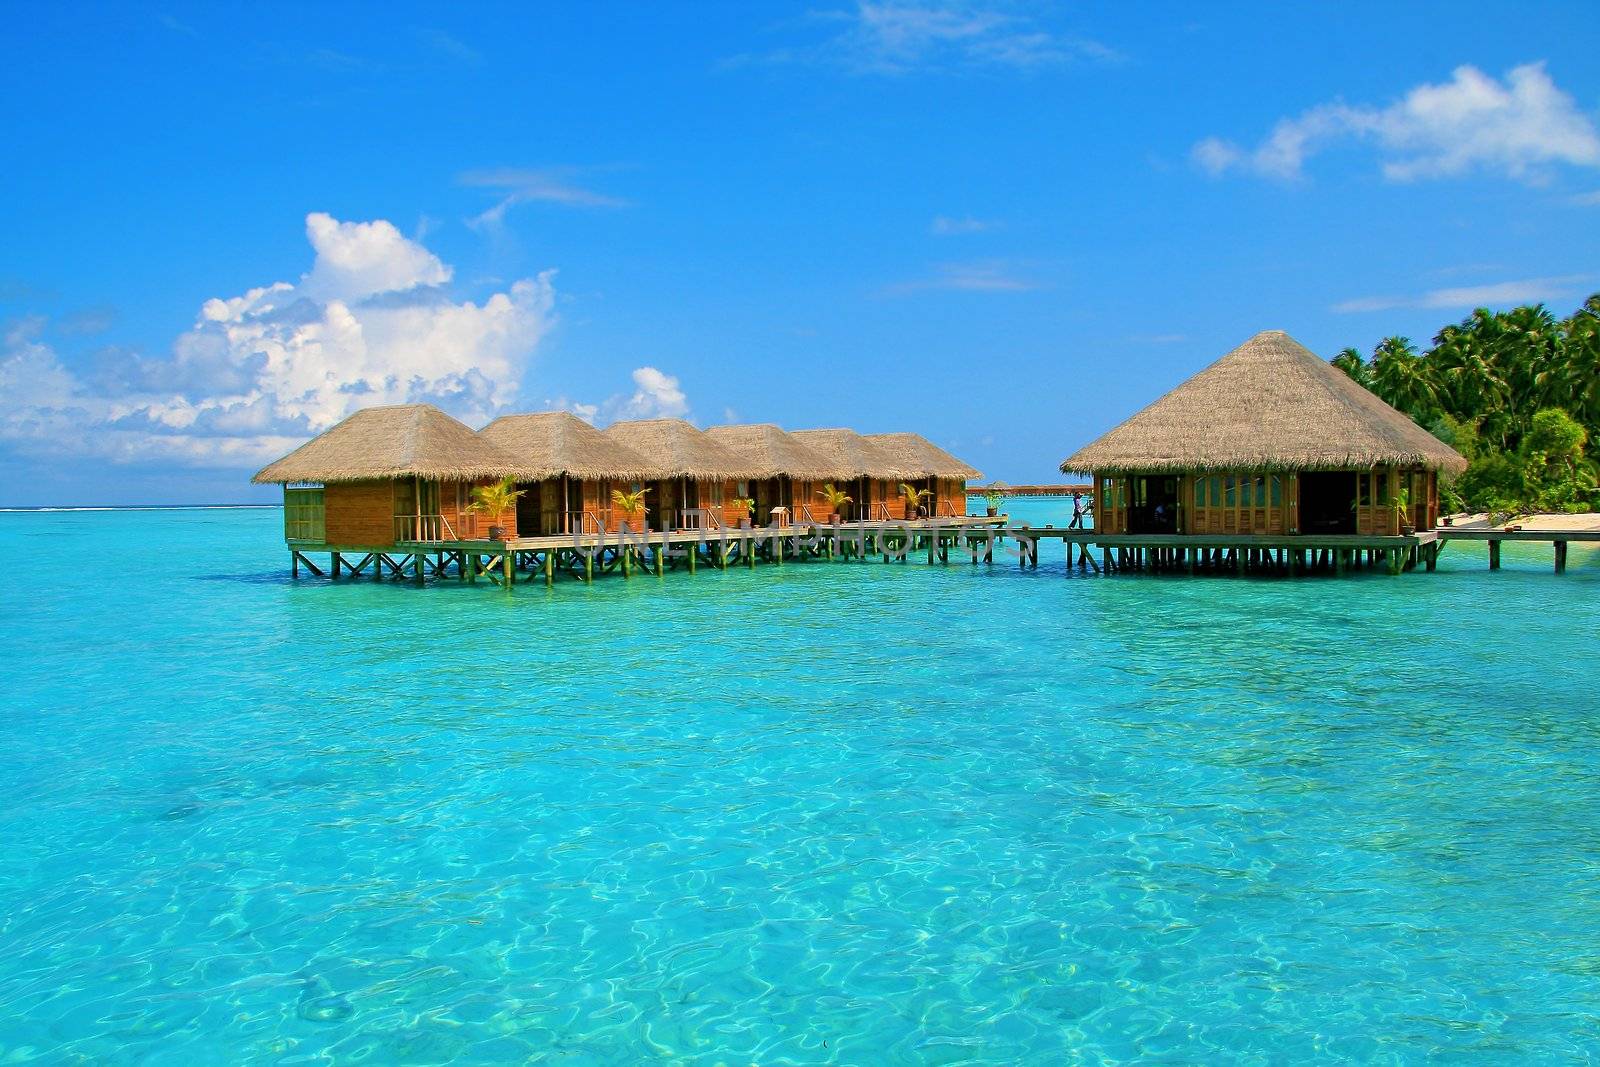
(1495,294)
(656,395)
(1519,128)
(369,323)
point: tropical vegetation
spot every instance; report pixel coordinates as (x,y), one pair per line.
(495,499)
(631,503)
(1516,392)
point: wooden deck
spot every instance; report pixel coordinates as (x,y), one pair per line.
(974,537)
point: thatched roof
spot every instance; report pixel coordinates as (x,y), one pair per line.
(675,449)
(779,454)
(550,444)
(854,455)
(393,442)
(1270,403)
(928,459)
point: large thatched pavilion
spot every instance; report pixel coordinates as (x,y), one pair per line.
(389,474)
(1269,440)
(568,470)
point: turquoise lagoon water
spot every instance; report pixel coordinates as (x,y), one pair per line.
(829,813)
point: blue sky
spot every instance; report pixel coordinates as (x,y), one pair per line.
(1004,226)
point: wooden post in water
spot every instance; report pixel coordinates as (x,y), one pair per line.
(1494,555)
(550,566)
(1561,557)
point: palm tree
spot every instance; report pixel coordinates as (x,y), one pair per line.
(1350,361)
(1402,379)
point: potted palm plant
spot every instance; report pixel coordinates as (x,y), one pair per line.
(494,500)
(913,498)
(630,503)
(993,497)
(836,499)
(1402,512)
(746,505)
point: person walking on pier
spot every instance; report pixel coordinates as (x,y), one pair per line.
(1078,510)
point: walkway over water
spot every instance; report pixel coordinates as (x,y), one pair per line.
(974,537)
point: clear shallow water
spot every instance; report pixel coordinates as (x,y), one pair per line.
(829,813)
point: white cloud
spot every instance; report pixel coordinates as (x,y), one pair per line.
(894,37)
(1519,128)
(1498,294)
(982,276)
(1587,199)
(946,226)
(656,395)
(553,185)
(368,324)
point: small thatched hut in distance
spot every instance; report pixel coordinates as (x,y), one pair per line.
(568,470)
(389,474)
(688,474)
(870,474)
(790,470)
(1270,439)
(939,474)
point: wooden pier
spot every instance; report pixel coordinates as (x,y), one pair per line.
(585,556)
(1559,539)
(973,539)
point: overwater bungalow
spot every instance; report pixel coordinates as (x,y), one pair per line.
(688,476)
(390,474)
(791,471)
(870,474)
(940,475)
(1269,440)
(568,471)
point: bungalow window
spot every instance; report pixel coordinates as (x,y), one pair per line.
(1228,498)
(1246,492)
(716,494)
(1214,489)
(1277,490)
(1364,490)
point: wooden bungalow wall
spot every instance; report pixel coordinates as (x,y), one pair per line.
(1265,502)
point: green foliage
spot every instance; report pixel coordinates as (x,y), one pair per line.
(744,503)
(632,502)
(836,498)
(913,495)
(1515,392)
(495,498)
(994,497)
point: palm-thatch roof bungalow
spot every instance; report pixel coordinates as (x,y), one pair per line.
(567,472)
(389,474)
(941,477)
(688,472)
(869,473)
(1270,439)
(790,470)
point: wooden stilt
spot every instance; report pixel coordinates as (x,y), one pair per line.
(294,564)
(1561,557)
(1494,555)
